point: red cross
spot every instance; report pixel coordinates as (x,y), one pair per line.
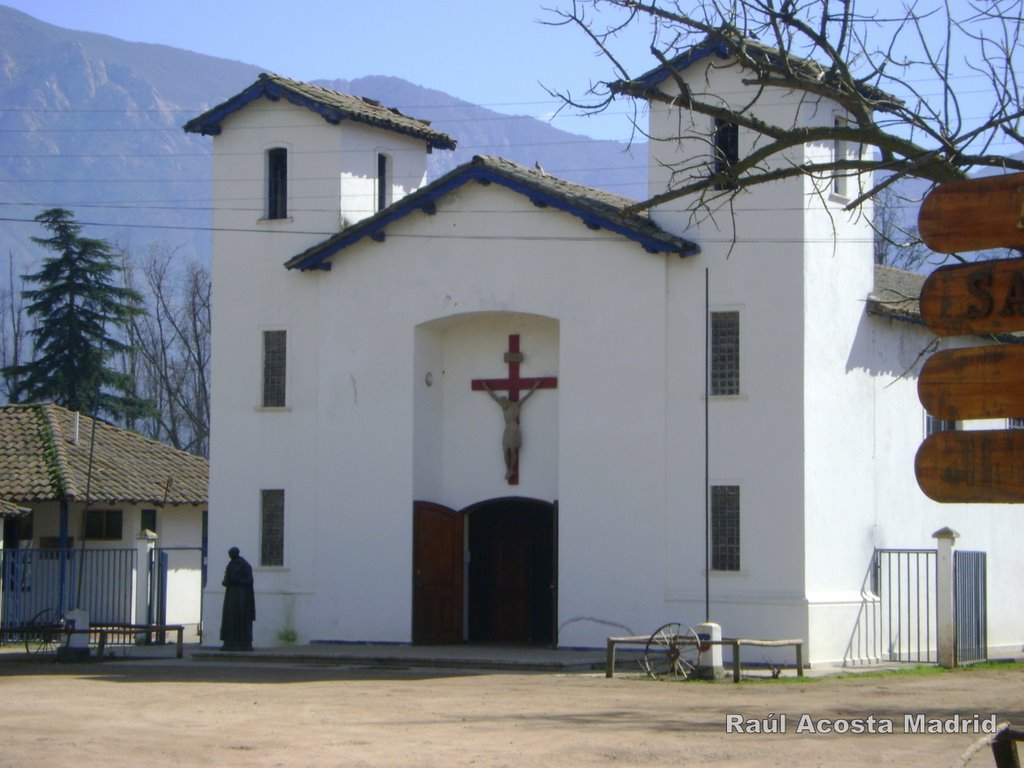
(514,384)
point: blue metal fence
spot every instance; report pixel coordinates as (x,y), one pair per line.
(98,581)
(904,580)
(969,572)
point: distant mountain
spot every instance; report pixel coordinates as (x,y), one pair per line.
(93,124)
(88,121)
(608,165)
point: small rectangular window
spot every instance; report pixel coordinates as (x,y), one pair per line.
(275,366)
(272,527)
(727,150)
(383,182)
(148,520)
(104,524)
(725,528)
(725,353)
(277,183)
(841,153)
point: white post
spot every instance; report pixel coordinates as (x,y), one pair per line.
(712,658)
(144,545)
(945,599)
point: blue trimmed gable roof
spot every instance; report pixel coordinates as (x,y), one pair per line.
(725,46)
(596,208)
(334,107)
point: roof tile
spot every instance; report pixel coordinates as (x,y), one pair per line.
(43,457)
(331,105)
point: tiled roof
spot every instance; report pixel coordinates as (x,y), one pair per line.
(896,294)
(8,508)
(334,107)
(596,208)
(41,460)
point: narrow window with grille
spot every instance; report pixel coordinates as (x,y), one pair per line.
(842,151)
(275,358)
(725,528)
(272,527)
(383,181)
(727,150)
(277,183)
(725,353)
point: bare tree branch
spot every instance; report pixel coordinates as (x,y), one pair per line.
(882,70)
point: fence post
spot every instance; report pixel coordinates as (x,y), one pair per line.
(145,542)
(945,600)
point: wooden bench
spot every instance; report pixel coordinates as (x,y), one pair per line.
(734,642)
(103,633)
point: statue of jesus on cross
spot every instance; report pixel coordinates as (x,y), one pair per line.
(514,384)
(512,437)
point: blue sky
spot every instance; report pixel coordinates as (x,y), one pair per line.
(490,52)
(496,53)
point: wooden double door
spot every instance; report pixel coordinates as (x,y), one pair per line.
(486,573)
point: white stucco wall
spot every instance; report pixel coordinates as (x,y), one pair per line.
(820,438)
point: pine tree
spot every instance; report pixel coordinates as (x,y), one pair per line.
(78,309)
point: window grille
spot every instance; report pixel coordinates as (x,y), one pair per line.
(725,528)
(725,353)
(272,527)
(277,183)
(275,359)
(727,150)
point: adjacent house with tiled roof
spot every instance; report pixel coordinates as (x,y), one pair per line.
(78,483)
(502,407)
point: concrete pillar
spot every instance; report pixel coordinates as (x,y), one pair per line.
(145,542)
(945,540)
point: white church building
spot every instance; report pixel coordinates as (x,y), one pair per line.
(481,409)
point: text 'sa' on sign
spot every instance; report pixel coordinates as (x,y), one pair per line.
(983,297)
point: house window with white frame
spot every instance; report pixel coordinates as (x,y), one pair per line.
(275,368)
(272,527)
(277,183)
(725,527)
(725,353)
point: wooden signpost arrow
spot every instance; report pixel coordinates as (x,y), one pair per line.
(974,383)
(972,466)
(980,382)
(982,297)
(974,214)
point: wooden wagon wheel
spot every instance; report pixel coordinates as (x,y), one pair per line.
(672,653)
(44,633)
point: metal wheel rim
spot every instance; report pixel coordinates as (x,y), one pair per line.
(672,653)
(43,635)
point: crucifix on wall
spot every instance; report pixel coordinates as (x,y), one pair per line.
(514,384)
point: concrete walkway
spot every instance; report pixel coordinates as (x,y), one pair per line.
(486,657)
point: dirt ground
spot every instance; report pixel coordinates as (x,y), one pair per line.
(188,713)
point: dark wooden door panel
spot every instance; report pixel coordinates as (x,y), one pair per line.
(437,574)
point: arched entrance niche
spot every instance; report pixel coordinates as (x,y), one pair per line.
(457,432)
(487,573)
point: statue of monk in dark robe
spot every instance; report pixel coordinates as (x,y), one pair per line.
(239,604)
